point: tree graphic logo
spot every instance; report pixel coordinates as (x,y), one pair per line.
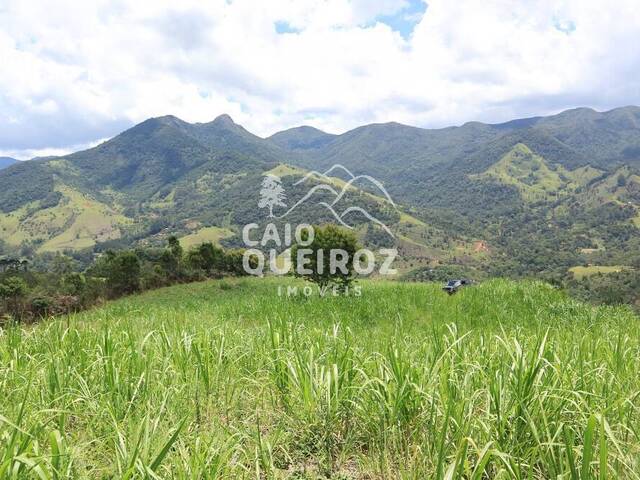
(272,193)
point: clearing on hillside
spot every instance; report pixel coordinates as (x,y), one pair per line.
(580,272)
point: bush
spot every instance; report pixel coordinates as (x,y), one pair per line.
(233,262)
(325,239)
(122,272)
(12,292)
(41,306)
(208,258)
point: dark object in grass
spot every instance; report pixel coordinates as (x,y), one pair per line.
(452,286)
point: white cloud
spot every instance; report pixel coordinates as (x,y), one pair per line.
(30,153)
(74,72)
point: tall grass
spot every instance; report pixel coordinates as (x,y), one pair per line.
(228,380)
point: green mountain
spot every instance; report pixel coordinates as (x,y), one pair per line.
(300,139)
(530,196)
(6,161)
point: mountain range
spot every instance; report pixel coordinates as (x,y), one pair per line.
(529,196)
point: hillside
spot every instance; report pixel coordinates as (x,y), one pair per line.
(302,138)
(542,195)
(534,178)
(6,161)
(225,379)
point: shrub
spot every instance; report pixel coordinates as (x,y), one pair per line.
(207,257)
(325,239)
(12,292)
(41,306)
(121,271)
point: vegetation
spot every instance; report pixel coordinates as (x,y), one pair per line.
(542,195)
(318,262)
(615,288)
(581,272)
(207,234)
(28,295)
(6,161)
(231,378)
(12,292)
(224,379)
(439,274)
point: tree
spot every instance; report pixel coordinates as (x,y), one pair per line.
(233,262)
(12,291)
(175,247)
(271,194)
(122,271)
(326,239)
(207,257)
(9,264)
(171,259)
(74,283)
(62,265)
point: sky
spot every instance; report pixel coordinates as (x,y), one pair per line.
(74,73)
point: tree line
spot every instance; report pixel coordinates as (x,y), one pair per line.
(28,295)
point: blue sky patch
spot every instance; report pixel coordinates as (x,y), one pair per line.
(285,27)
(565,26)
(405,20)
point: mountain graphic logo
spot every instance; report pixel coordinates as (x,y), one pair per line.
(272,194)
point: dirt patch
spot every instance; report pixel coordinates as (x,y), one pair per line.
(480,246)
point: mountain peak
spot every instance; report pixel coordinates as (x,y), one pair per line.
(224,119)
(301,138)
(168,120)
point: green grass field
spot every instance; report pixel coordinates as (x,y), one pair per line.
(77,222)
(225,379)
(207,234)
(580,272)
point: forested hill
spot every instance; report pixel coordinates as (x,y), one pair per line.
(6,161)
(531,196)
